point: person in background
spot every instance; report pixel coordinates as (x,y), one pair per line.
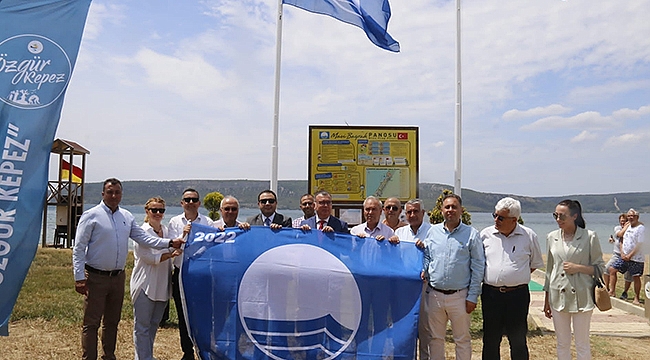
(452,270)
(616,242)
(308,209)
(267,201)
(392,212)
(573,252)
(229,208)
(512,253)
(632,258)
(324,220)
(150,281)
(98,260)
(180,226)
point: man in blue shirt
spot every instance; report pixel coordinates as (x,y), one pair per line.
(98,259)
(453,266)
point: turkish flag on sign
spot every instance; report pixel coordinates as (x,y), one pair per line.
(402,136)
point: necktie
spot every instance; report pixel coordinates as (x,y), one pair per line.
(267,222)
(321,224)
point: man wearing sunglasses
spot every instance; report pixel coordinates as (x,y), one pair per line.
(267,201)
(179,226)
(308,208)
(392,211)
(324,220)
(512,252)
(229,209)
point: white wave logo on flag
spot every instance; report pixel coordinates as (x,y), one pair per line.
(299,298)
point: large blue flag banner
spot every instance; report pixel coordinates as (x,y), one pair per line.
(39,42)
(370,15)
(291,294)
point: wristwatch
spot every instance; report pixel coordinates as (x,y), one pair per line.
(171,243)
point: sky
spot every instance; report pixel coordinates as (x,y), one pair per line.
(555,94)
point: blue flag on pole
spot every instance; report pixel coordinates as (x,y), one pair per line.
(289,294)
(39,42)
(370,15)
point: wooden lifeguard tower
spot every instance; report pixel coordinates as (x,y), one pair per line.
(67,193)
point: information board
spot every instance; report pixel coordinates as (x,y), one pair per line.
(354,162)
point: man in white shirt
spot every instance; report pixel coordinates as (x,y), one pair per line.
(417,228)
(179,226)
(372,227)
(632,258)
(511,253)
(229,209)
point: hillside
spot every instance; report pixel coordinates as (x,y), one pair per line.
(137,193)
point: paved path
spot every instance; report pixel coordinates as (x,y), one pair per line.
(624,319)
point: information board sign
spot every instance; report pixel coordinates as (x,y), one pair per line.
(354,162)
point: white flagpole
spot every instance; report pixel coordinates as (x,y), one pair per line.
(458,126)
(276,105)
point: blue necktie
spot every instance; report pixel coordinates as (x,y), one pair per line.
(267,222)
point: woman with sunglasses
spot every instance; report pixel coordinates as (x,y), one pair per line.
(150,281)
(573,252)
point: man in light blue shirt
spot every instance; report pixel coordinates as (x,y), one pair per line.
(453,266)
(98,259)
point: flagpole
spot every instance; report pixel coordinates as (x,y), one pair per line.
(458,125)
(276,104)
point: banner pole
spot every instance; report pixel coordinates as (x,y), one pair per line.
(276,102)
(458,125)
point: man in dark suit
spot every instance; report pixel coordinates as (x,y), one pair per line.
(324,220)
(268,202)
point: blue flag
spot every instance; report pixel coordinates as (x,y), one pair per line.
(290,294)
(370,15)
(39,42)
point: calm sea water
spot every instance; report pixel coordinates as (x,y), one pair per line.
(542,224)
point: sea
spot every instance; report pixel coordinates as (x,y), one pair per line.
(542,223)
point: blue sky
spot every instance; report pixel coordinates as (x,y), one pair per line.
(556,94)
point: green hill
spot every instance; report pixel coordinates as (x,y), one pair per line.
(289,192)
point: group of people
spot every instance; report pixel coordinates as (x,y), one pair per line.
(459,265)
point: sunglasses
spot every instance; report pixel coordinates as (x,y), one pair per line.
(557,216)
(391,207)
(498,217)
(267,201)
(157,210)
(307,203)
(230,209)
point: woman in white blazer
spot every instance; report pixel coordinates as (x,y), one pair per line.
(573,251)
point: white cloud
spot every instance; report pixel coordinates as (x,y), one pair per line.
(554,109)
(629,139)
(591,120)
(584,136)
(625,114)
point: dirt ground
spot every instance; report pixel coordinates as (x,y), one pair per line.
(38,339)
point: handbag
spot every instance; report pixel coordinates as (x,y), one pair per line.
(599,292)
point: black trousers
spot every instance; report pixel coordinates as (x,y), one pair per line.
(186,342)
(505,313)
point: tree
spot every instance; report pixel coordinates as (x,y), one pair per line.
(436,217)
(212,202)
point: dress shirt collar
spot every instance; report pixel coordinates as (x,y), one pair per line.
(108,210)
(318,220)
(270,217)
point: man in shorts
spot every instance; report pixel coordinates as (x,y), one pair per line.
(617,240)
(631,254)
